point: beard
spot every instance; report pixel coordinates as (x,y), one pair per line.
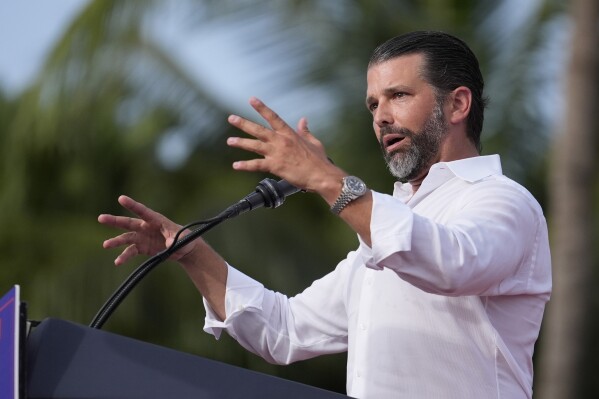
(407,164)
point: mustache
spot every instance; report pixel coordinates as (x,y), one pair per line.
(386,130)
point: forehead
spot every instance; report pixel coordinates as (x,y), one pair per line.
(405,70)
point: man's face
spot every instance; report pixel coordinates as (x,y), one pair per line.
(407,119)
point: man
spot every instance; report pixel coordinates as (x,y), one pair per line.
(445,294)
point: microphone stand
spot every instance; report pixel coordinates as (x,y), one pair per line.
(269,193)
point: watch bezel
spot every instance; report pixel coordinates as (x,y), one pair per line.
(355,185)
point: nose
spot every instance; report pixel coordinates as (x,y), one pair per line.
(382,115)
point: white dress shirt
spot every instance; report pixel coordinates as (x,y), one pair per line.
(447,303)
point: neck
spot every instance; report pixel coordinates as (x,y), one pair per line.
(460,152)
(417,182)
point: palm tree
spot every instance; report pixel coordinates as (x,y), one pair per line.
(567,341)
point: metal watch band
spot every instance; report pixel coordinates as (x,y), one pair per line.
(353,188)
(341,203)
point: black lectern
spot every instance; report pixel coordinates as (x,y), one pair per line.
(67,360)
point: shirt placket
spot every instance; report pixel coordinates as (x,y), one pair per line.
(363,326)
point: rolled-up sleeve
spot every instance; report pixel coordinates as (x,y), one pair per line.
(469,248)
(242,294)
(391,228)
(280,329)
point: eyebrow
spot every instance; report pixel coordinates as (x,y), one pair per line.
(388,92)
(369,101)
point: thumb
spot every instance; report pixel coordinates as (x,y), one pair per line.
(302,127)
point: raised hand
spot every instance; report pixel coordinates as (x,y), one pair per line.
(148,234)
(295,155)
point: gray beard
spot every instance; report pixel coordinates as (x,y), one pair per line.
(408,164)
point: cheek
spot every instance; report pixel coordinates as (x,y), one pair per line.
(377,131)
(407,116)
(414,113)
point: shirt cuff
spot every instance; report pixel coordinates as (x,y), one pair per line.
(365,253)
(242,294)
(390,229)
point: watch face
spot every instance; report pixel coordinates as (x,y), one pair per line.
(355,185)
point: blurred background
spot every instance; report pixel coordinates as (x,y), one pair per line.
(103,97)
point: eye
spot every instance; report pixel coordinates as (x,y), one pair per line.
(399,94)
(372,107)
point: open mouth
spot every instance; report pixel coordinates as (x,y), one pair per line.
(393,141)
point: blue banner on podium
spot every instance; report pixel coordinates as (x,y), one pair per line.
(9,344)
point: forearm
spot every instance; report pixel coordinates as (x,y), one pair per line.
(208,271)
(281,329)
(357,214)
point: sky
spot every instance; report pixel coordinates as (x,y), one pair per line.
(27,30)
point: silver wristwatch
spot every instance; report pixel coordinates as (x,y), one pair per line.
(353,188)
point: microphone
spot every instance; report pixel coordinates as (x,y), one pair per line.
(269,193)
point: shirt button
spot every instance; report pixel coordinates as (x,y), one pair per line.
(362,326)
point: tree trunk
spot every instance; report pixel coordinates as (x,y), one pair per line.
(573,177)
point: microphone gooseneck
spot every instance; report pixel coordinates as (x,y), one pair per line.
(269,194)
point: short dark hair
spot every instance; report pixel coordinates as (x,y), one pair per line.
(449,63)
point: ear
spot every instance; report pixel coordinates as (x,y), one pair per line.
(460,100)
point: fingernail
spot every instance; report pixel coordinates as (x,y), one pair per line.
(232,140)
(233,118)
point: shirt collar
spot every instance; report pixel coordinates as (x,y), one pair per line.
(468,169)
(473,169)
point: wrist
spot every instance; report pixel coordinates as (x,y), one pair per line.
(353,188)
(329,185)
(189,254)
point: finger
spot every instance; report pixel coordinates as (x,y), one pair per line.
(302,126)
(304,132)
(140,209)
(253,165)
(249,127)
(255,146)
(127,254)
(118,241)
(121,222)
(273,119)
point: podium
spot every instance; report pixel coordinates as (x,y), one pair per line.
(68,360)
